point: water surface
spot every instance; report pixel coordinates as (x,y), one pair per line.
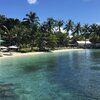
(73,75)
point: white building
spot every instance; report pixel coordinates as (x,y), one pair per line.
(83,44)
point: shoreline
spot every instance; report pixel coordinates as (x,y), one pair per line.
(17,54)
(65,50)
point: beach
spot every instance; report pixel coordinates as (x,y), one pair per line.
(16,54)
(64,50)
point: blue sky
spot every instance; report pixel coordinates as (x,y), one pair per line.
(84,11)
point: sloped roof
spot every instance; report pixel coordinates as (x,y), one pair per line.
(83,42)
(13,47)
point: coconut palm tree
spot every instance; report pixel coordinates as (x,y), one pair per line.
(32,18)
(77,29)
(2,20)
(59,24)
(51,24)
(69,26)
(95,33)
(32,23)
(86,31)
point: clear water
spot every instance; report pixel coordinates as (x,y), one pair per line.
(73,75)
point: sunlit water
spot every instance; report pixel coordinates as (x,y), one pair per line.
(73,75)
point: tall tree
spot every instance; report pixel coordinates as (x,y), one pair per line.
(95,33)
(86,31)
(77,29)
(59,24)
(51,25)
(2,20)
(32,18)
(69,26)
(32,22)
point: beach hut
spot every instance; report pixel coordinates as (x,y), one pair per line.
(3,48)
(13,48)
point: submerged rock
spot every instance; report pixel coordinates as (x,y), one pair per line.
(7,92)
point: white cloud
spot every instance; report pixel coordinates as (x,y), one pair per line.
(32,1)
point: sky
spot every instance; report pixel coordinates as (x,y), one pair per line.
(83,11)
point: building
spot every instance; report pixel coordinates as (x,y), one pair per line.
(83,44)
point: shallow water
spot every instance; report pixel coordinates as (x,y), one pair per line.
(73,75)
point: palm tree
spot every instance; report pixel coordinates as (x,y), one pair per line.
(32,18)
(43,27)
(59,24)
(32,22)
(86,31)
(2,20)
(95,33)
(69,26)
(8,34)
(10,23)
(77,29)
(51,23)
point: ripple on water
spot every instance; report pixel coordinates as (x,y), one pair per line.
(55,76)
(96,68)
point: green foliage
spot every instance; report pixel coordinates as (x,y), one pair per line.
(62,39)
(69,26)
(24,50)
(41,41)
(94,38)
(52,41)
(45,36)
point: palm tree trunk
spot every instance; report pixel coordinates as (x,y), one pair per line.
(59,29)
(85,40)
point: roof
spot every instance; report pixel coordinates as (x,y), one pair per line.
(13,47)
(83,42)
(3,47)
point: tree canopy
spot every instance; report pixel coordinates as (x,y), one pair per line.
(47,35)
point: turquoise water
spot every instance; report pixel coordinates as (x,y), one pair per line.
(73,75)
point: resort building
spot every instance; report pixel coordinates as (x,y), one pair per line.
(83,44)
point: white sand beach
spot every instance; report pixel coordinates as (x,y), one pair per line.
(64,50)
(15,54)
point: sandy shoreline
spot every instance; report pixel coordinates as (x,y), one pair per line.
(15,54)
(65,50)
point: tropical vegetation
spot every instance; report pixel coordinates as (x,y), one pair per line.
(30,33)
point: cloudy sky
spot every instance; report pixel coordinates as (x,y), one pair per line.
(85,11)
